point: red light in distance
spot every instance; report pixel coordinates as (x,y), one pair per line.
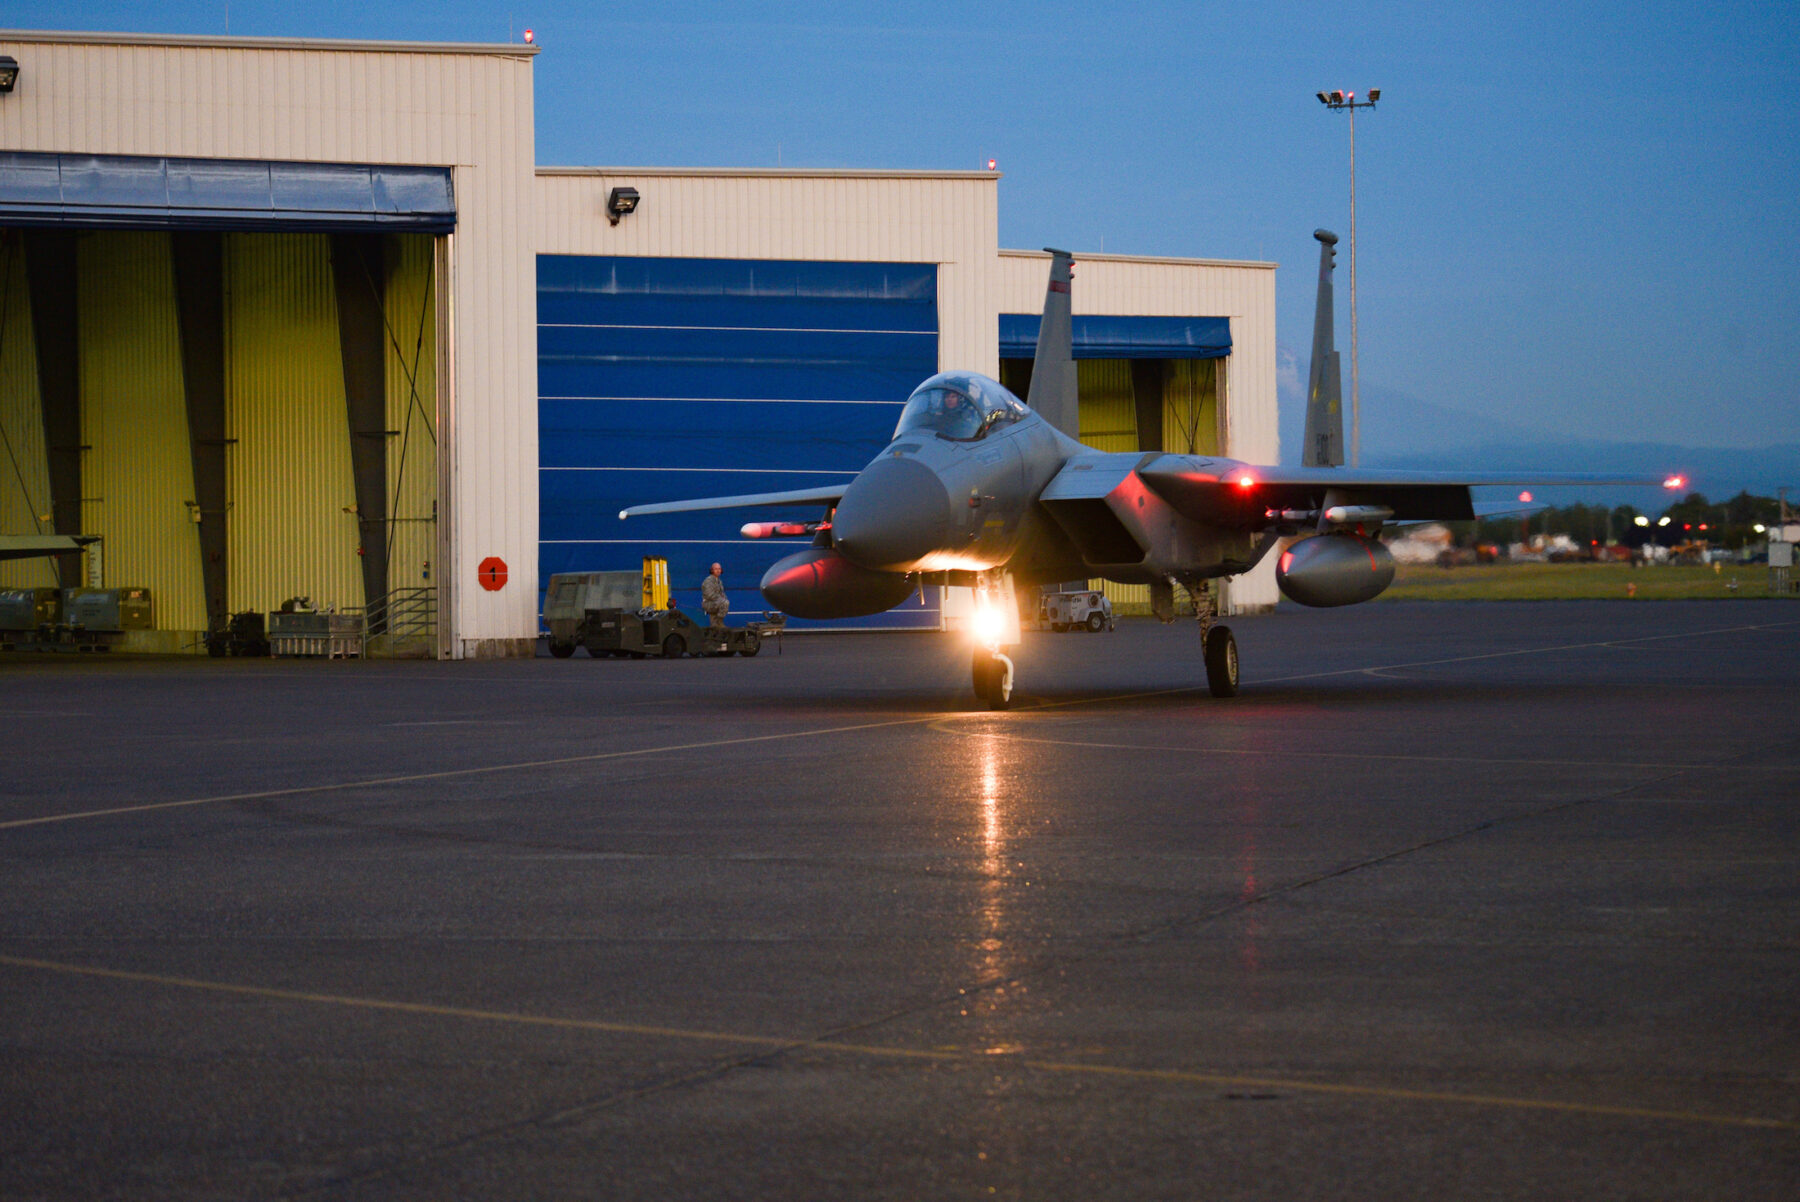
(1525,497)
(1675,482)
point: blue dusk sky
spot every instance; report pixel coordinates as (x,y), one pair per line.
(1574,220)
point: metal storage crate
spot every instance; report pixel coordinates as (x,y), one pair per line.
(321,635)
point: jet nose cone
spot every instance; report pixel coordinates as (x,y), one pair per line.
(894,513)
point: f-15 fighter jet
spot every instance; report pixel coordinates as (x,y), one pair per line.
(980,489)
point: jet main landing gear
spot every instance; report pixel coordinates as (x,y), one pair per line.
(1216,642)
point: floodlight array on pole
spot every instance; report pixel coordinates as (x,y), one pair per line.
(1338,101)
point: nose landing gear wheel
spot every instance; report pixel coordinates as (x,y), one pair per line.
(1221,662)
(993,679)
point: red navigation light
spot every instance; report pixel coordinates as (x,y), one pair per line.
(529,37)
(1702,525)
(1674,482)
(1525,497)
(1246,481)
(993,164)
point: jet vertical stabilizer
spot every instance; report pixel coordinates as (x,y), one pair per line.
(1053,389)
(1324,446)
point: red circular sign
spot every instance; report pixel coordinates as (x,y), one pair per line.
(492,573)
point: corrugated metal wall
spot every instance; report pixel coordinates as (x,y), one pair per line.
(288,465)
(1108,412)
(412,477)
(137,473)
(24,474)
(469,109)
(1191,406)
(288,472)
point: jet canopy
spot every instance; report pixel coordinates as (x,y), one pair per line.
(961,406)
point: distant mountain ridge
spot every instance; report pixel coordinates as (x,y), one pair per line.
(1407,432)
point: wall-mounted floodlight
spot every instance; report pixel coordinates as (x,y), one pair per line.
(9,72)
(619,202)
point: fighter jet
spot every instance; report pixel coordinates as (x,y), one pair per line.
(983,490)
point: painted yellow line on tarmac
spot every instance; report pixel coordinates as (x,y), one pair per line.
(773,1045)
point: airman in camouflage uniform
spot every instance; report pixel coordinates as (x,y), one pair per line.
(712,598)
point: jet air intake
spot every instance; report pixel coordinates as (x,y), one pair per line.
(1334,569)
(820,583)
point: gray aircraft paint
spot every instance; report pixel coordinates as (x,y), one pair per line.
(1019,495)
(1054,391)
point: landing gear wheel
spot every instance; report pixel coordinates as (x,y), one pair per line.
(562,650)
(993,679)
(674,647)
(1096,622)
(1221,662)
(1059,627)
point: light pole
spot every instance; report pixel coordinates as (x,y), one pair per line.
(1347,102)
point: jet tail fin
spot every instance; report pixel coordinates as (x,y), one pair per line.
(1053,388)
(1324,445)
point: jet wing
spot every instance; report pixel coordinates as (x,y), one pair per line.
(1238,494)
(31,546)
(819,494)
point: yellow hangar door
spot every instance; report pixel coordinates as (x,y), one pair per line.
(240,399)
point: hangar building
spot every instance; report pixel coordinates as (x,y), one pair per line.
(300,318)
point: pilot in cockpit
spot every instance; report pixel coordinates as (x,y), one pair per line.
(959,418)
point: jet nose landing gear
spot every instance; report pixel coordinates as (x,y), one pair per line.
(995,625)
(993,678)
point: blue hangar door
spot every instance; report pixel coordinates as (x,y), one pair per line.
(660,379)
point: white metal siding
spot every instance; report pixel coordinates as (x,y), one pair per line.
(950,219)
(468,108)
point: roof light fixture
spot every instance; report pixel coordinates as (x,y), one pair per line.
(1346,102)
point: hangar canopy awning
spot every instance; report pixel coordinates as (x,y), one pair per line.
(1099,336)
(145,193)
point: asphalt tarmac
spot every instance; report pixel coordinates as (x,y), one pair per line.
(1453,901)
